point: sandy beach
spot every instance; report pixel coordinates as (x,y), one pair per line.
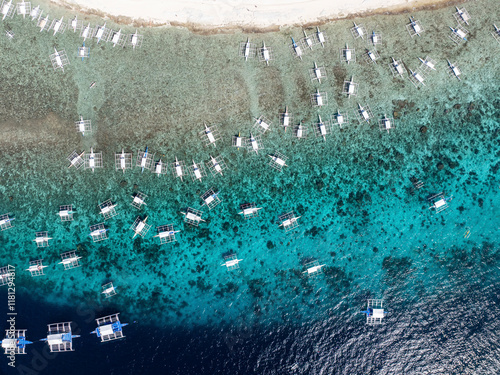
(260,14)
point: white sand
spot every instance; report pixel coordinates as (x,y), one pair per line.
(250,13)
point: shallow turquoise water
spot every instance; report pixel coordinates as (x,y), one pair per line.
(358,217)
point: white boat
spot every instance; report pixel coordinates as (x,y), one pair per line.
(297,49)
(97,232)
(134,39)
(319,98)
(454,70)
(415,26)
(123,161)
(57,25)
(178,168)
(464,16)
(397,67)
(359,30)
(285,118)
(116,37)
(307,40)
(418,77)
(58,60)
(35,12)
(74,24)
(43,23)
(92,159)
(300,130)
(216,166)
(158,168)
(210,135)
(317,72)
(6,9)
(144,160)
(386,124)
(364,113)
(246,54)
(372,56)
(196,172)
(266,55)
(350,87)
(428,63)
(320,36)
(459,33)
(23,7)
(322,128)
(347,54)
(254,144)
(100,32)
(86,32)
(340,119)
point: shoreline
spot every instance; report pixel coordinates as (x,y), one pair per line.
(200,24)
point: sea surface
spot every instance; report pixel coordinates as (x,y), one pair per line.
(438,273)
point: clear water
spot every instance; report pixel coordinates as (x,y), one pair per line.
(352,191)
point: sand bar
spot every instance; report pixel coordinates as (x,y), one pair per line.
(250,14)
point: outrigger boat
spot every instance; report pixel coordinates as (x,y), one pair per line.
(266,55)
(397,67)
(86,32)
(317,72)
(43,23)
(462,15)
(350,88)
(321,128)
(285,118)
(7,9)
(57,25)
(159,168)
(341,119)
(297,49)
(364,113)
(74,24)
(100,32)
(321,37)
(454,70)
(496,33)
(428,63)
(358,31)
(115,39)
(196,172)
(35,12)
(414,27)
(58,59)
(134,39)
(246,54)
(178,168)
(140,227)
(376,38)
(98,233)
(417,77)
(210,135)
(254,144)
(92,159)
(123,161)
(458,34)
(300,131)
(347,54)
(215,165)
(144,160)
(308,42)
(81,51)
